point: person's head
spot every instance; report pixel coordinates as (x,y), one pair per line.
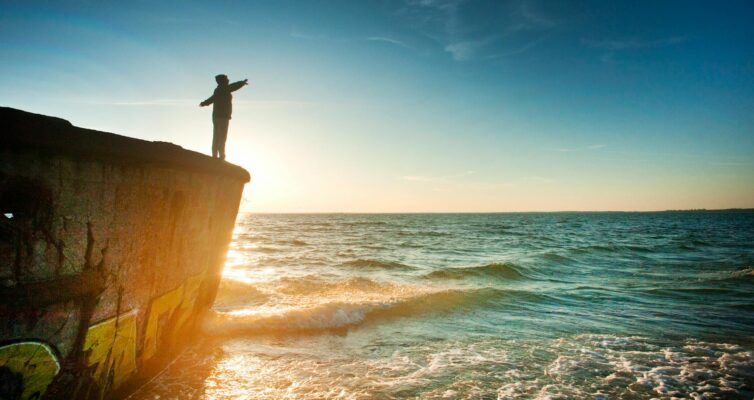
(221,79)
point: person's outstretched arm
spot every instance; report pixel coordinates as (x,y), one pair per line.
(207,102)
(237,85)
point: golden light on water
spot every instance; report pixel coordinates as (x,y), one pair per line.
(247,376)
(236,259)
(249,277)
(259,311)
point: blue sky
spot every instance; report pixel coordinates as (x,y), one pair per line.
(416,105)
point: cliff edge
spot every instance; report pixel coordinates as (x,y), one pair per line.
(47,135)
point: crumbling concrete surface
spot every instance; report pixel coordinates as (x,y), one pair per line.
(111,248)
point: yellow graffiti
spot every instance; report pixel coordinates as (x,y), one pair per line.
(175,308)
(111,347)
(190,293)
(162,309)
(34,365)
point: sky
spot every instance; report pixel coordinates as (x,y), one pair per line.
(415,105)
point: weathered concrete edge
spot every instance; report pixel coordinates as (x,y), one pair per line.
(22,130)
(91,363)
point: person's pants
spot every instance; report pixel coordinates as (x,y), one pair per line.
(220,134)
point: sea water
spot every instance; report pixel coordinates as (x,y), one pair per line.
(478,306)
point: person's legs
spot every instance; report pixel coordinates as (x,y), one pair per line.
(219,135)
(222,136)
(216,122)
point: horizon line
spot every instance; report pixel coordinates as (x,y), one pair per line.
(734,209)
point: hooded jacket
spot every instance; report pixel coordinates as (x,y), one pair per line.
(222,100)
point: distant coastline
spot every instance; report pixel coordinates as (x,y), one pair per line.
(693,210)
(722,210)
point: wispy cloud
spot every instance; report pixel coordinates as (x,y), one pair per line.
(460,174)
(451,26)
(145,102)
(156,19)
(730,163)
(456,29)
(539,179)
(611,47)
(419,178)
(454,182)
(534,19)
(607,57)
(389,40)
(297,34)
(440,178)
(195,103)
(462,51)
(268,104)
(627,44)
(437,20)
(526,47)
(575,149)
(491,186)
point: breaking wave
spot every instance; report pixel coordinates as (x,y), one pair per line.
(234,294)
(742,274)
(342,314)
(494,270)
(293,242)
(366,263)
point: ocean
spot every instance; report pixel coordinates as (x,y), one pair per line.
(478,306)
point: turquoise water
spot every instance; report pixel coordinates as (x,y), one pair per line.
(479,306)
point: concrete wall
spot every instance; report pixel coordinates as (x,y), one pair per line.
(109,254)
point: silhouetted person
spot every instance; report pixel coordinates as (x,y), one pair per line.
(223,107)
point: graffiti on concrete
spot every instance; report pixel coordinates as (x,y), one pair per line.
(186,308)
(111,348)
(26,370)
(159,317)
(168,313)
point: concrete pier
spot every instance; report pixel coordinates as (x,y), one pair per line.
(111,248)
